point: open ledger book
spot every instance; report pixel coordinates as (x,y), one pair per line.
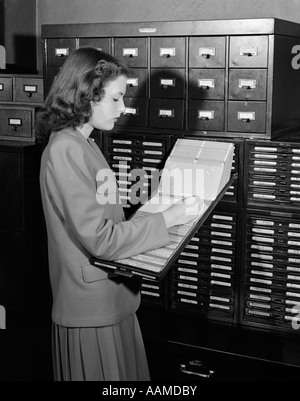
(194,168)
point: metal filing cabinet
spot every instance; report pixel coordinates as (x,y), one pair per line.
(204,276)
(224,80)
(20,96)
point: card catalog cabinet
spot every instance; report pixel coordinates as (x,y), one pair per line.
(222,80)
(234,78)
(20,96)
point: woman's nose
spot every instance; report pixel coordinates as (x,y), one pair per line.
(122,106)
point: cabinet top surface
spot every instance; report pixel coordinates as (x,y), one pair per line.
(176,28)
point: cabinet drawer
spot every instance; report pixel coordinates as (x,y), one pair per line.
(58,50)
(246,84)
(166,113)
(207,52)
(168,52)
(17,123)
(29,90)
(135,114)
(248,51)
(166,83)
(132,51)
(206,115)
(206,83)
(6,89)
(246,116)
(136,85)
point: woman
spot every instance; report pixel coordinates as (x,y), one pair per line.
(95,335)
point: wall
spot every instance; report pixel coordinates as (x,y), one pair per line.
(79,11)
(19,31)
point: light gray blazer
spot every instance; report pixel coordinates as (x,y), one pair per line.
(78,226)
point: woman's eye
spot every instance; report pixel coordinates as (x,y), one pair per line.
(115,100)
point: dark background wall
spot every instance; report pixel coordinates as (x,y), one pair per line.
(18,33)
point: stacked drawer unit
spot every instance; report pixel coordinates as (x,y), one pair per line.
(272,248)
(234,78)
(272,270)
(204,277)
(137,161)
(20,95)
(273,174)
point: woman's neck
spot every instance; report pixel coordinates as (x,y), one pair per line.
(85,130)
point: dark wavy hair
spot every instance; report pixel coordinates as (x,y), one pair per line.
(82,78)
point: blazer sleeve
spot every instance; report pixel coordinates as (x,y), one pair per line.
(72,188)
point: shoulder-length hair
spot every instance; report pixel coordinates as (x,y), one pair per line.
(82,79)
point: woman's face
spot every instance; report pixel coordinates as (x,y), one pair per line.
(106,112)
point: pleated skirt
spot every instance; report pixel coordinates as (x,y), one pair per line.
(111,353)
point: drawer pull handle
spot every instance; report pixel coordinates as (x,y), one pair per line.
(166,113)
(130,111)
(248,51)
(130,52)
(206,114)
(247,83)
(167,52)
(246,117)
(207,52)
(15,123)
(61,52)
(30,89)
(166,83)
(132,82)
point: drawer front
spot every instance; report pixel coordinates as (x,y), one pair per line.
(29,90)
(166,113)
(99,43)
(248,51)
(207,52)
(206,115)
(16,124)
(166,83)
(207,83)
(58,50)
(135,114)
(246,116)
(246,84)
(136,85)
(6,89)
(168,52)
(132,51)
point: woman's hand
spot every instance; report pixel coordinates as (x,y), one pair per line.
(183,211)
